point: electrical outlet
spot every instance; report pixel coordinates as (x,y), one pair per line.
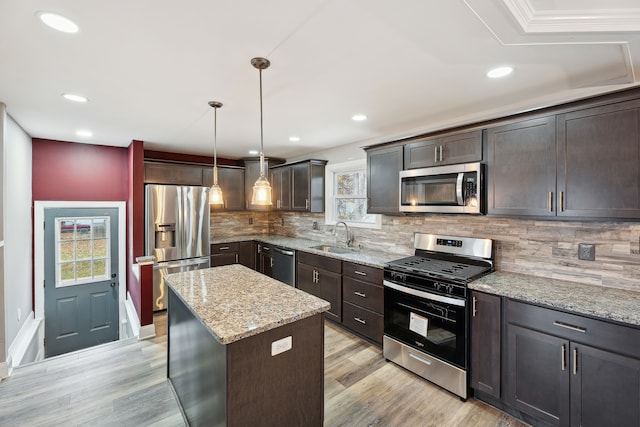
(314,225)
(587,251)
(250,221)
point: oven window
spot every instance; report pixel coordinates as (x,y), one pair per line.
(433,327)
(429,190)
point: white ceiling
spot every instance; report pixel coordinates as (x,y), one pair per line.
(150,67)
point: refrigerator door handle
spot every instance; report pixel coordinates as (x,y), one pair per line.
(189,263)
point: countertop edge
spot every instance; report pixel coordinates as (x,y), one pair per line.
(321,307)
(561,295)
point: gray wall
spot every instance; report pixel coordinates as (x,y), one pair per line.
(17,278)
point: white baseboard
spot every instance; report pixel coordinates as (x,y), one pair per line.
(142,332)
(26,339)
(4,370)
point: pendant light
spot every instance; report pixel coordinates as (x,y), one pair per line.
(215,192)
(261,189)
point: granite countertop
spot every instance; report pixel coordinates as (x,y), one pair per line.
(605,303)
(359,256)
(235,302)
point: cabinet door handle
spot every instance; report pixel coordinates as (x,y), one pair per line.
(435,153)
(271,260)
(474,301)
(441,154)
(564,357)
(561,204)
(306,203)
(225,204)
(570,327)
(360,294)
(360,273)
(550,201)
(359,320)
(575,361)
(237,259)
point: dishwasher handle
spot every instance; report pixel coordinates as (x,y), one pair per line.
(283,251)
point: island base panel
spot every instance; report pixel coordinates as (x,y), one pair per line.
(282,390)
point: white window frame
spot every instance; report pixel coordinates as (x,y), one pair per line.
(329,215)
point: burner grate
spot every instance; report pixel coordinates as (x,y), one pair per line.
(433,266)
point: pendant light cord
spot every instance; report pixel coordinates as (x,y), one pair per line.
(215,144)
(261,131)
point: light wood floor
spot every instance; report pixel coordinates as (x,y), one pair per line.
(124,384)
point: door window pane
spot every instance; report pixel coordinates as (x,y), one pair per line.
(82,250)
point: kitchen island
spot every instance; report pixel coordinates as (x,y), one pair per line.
(244,349)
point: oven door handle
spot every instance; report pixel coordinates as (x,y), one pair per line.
(426,295)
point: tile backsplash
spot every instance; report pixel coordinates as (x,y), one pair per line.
(540,248)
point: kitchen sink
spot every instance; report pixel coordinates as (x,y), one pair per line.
(332,249)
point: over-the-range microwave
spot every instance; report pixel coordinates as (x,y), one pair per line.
(443,189)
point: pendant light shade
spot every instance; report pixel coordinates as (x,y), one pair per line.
(261,189)
(215,192)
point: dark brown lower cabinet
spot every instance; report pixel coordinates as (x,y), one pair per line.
(247,254)
(537,379)
(486,327)
(322,276)
(605,388)
(568,370)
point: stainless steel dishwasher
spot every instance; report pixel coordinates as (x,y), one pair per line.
(284,265)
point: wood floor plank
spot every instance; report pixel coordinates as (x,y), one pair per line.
(124,384)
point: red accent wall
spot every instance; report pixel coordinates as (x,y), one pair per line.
(141,291)
(69,171)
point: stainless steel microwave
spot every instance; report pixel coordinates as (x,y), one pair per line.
(444,189)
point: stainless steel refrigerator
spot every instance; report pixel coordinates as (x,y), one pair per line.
(176,232)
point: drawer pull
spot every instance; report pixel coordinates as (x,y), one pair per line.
(420,359)
(360,294)
(361,273)
(359,320)
(570,327)
(224,248)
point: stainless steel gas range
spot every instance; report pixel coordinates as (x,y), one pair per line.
(426,307)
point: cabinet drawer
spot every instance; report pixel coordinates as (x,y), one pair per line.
(363,321)
(221,248)
(362,272)
(224,259)
(326,263)
(363,294)
(609,336)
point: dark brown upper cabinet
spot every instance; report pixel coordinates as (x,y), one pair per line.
(173,174)
(599,161)
(298,186)
(383,179)
(577,164)
(231,181)
(463,147)
(521,168)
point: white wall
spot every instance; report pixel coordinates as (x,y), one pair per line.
(17,307)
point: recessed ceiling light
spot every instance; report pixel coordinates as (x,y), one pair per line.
(254,152)
(74,98)
(294,138)
(58,22)
(499,72)
(359,117)
(82,133)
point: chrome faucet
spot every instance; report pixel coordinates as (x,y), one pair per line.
(348,238)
